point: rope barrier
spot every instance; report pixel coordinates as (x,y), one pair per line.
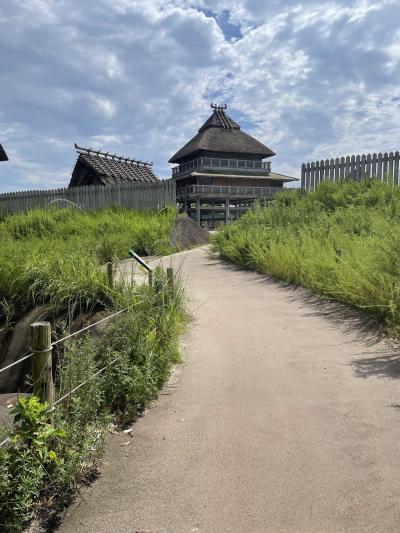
(16,362)
(81,385)
(5,441)
(91,325)
(67,337)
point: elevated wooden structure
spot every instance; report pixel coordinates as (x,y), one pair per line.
(222,171)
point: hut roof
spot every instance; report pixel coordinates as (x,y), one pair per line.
(3,155)
(222,134)
(107,169)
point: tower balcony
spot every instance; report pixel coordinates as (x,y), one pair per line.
(263,167)
(215,192)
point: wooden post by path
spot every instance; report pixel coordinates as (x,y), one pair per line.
(226,210)
(42,374)
(150,275)
(110,273)
(159,286)
(170,278)
(198,211)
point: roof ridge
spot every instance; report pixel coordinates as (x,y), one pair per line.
(111,157)
(219,119)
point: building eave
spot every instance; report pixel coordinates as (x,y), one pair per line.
(221,174)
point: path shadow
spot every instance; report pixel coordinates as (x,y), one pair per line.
(384,364)
(362,327)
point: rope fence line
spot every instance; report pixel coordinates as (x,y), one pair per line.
(33,352)
(16,362)
(81,385)
(5,441)
(46,347)
(94,324)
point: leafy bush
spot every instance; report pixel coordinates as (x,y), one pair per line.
(343,241)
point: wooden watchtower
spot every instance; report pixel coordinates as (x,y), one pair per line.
(222,171)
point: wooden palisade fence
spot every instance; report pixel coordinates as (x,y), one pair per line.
(129,195)
(380,166)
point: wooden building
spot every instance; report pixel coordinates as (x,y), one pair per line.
(3,155)
(222,171)
(94,167)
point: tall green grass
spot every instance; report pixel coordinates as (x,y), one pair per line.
(57,258)
(343,241)
(54,256)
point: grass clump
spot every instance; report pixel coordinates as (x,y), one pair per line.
(343,241)
(53,256)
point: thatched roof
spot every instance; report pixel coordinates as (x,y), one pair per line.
(94,167)
(222,134)
(3,155)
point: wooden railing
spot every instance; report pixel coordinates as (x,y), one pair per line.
(253,192)
(217,162)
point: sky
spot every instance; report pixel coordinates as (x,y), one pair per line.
(310,79)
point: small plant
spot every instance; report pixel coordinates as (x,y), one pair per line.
(32,429)
(26,463)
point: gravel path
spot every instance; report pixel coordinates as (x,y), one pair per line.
(284,418)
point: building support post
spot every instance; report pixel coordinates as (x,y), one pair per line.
(185,207)
(226,210)
(198,214)
(212,218)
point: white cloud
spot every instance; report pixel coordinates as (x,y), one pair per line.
(310,79)
(103,105)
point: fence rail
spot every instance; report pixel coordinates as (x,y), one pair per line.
(130,195)
(381,166)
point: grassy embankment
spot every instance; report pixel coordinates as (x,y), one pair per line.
(343,241)
(55,258)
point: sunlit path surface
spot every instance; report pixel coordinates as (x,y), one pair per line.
(282,419)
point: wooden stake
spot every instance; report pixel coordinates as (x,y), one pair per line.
(170,278)
(159,286)
(150,274)
(42,374)
(110,273)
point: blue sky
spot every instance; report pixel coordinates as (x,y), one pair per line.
(310,79)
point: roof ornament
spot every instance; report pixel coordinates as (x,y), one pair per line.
(216,107)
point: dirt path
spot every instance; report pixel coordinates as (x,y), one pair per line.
(283,419)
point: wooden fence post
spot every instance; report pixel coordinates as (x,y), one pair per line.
(170,278)
(159,286)
(150,274)
(42,374)
(110,273)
